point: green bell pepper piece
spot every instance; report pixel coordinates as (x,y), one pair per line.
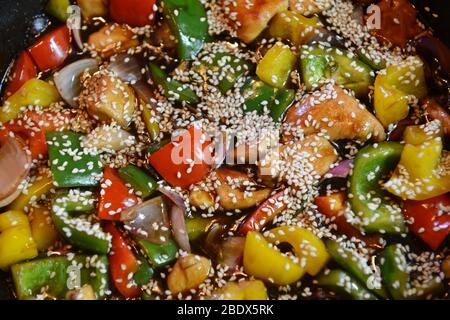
(342,283)
(187,21)
(58,9)
(53,273)
(144,273)
(396,276)
(173,90)
(257,94)
(70,164)
(196,227)
(319,63)
(283,100)
(394,270)
(354,264)
(374,64)
(368,200)
(159,255)
(139,180)
(79,231)
(229,68)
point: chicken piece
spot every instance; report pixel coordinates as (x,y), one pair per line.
(251,17)
(312,156)
(188,273)
(232,190)
(112,39)
(336,114)
(107,97)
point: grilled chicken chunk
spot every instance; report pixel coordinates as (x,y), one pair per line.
(335,114)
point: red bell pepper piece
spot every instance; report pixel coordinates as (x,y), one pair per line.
(265,213)
(136,13)
(122,263)
(31,126)
(430,219)
(115,196)
(184,162)
(24,69)
(52,49)
(333,206)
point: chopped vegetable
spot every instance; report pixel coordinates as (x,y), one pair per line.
(423,170)
(58,9)
(378,211)
(173,89)
(292,26)
(16,242)
(52,49)
(40,187)
(79,230)
(16,164)
(24,69)
(122,264)
(57,272)
(430,219)
(142,183)
(34,92)
(93,8)
(182,169)
(188,23)
(159,255)
(276,65)
(396,88)
(43,230)
(115,196)
(136,13)
(265,262)
(71,165)
(319,63)
(341,282)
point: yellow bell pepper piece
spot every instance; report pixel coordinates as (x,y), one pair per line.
(276,65)
(243,290)
(43,230)
(423,169)
(35,191)
(416,135)
(395,87)
(292,26)
(306,245)
(16,242)
(265,262)
(150,123)
(34,92)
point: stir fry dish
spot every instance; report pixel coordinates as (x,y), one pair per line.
(227,149)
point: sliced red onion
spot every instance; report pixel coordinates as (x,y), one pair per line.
(179,228)
(149,220)
(231,252)
(15,163)
(76,32)
(177,218)
(342,170)
(127,67)
(67,80)
(174,197)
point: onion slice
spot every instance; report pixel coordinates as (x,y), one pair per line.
(342,170)
(148,220)
(177,218)
(127,68)
(15,163)
(67,80)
